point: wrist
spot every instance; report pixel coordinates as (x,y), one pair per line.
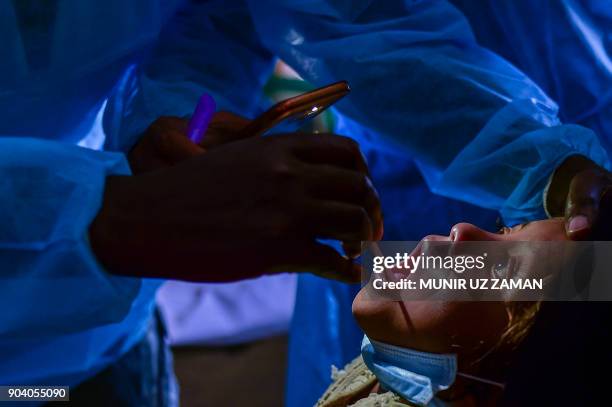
(108,233)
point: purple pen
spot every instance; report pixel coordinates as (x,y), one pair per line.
(201,118)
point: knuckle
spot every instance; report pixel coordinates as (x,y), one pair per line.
(284,173)
(363,183)
(285,139)
(290,223)
(351,144)
(284,226)
(154,129)
(300,219)
(162,122)
(278,146)
(362,221)
(164,139)
(374,199)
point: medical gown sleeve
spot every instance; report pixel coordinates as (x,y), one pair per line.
(479,129)
(50,281)
(205,47)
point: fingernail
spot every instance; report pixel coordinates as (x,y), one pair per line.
(577,223)
(453,234)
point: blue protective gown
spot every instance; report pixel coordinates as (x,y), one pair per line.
(476,127)
(64,318)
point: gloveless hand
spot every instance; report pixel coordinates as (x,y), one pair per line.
(243,209)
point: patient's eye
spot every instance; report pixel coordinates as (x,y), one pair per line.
(505,230)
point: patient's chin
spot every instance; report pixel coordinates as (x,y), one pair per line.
(372,315)
(381,320)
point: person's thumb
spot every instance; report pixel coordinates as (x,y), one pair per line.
(224,128)
(175,146)
(582,205)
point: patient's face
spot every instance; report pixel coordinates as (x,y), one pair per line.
(465,328)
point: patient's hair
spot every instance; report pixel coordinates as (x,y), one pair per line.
(521,315)
(521,318)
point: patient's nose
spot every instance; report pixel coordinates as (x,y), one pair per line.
(462,232)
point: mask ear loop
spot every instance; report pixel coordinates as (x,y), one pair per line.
(482,380)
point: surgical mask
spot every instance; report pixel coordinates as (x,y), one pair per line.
(416,376)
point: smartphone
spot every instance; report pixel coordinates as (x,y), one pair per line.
(298,108)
